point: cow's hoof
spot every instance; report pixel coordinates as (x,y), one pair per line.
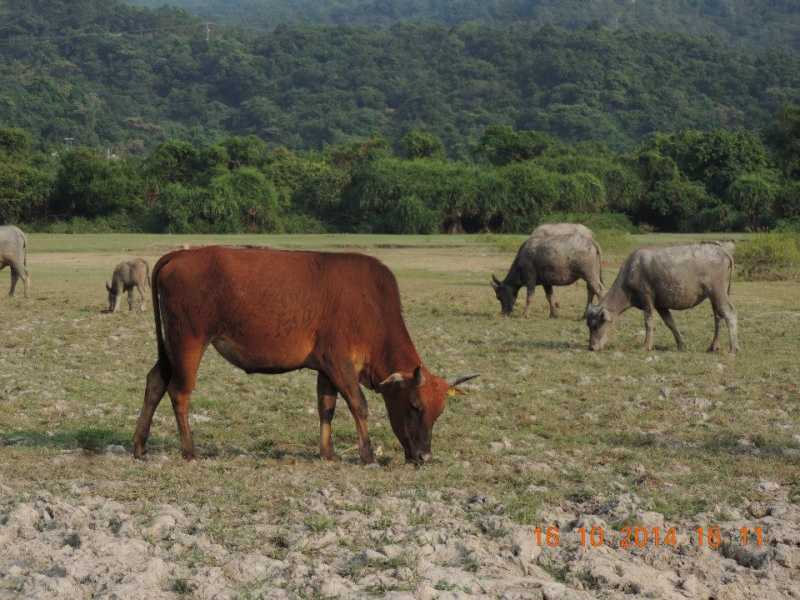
(713,349)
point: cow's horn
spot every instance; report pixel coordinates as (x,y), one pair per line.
(393,378)
(419,378)
(495,280)
(456,380)
(108,287)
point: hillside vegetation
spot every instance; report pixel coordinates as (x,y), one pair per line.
(770,23)
(104,73)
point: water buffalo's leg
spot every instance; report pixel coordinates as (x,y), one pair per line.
(153,393)
(186,360)
(528,299)
(724,307)
(548,292)
(18,271)
(14,277)
(348,386)
(326,403)
(714,347)
(666,316)
(141,297)
(649,327)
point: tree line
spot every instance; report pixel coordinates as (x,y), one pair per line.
(775,23)
(691,180)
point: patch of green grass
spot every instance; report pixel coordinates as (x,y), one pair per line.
(319,523)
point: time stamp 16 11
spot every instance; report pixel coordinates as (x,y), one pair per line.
(643,537)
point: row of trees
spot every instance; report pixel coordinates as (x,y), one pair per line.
(685,181)
(102,73)
(775,23)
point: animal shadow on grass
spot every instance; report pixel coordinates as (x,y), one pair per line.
(90,439)
(543,345)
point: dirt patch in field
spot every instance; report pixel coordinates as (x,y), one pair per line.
(340,543)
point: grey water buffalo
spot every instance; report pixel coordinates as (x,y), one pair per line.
(127,276)
(13,254)
(551,260)
(661,279)
(550,229)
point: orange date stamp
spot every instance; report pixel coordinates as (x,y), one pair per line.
(642,537)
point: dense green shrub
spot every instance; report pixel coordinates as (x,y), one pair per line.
(769,256)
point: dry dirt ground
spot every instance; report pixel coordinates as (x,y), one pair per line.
(638,451)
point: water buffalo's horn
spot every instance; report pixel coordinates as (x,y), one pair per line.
(456,380)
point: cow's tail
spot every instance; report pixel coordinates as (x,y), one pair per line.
(599,260)
(147,275)
(163,356)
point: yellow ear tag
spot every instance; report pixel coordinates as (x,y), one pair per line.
(452,392)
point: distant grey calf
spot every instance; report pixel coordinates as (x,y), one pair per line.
(676,277)
(549,260)
(13,253)
(128,275)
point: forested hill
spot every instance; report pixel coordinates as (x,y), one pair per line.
(104,73)
(774,23)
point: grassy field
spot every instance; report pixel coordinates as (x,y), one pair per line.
(547,422)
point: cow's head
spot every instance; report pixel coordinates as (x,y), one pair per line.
(599,320)
(112,297)
(506,294)
(414,401)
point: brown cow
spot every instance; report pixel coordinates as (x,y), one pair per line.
(274,311)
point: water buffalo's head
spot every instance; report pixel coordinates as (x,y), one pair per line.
(599,320)
(112,297)
(506,294)
(414,401)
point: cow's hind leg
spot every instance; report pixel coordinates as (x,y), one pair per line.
(186,360)
(666,316)
(130,299)
(326,403)
(347,384)
(154,391)
(548,292)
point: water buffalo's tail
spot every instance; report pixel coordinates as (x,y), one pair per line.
(163,356)
(733,270)
(599,260)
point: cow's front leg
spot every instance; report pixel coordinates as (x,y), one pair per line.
(357,403)
(326,404)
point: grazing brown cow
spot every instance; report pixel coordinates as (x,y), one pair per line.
(274,311)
